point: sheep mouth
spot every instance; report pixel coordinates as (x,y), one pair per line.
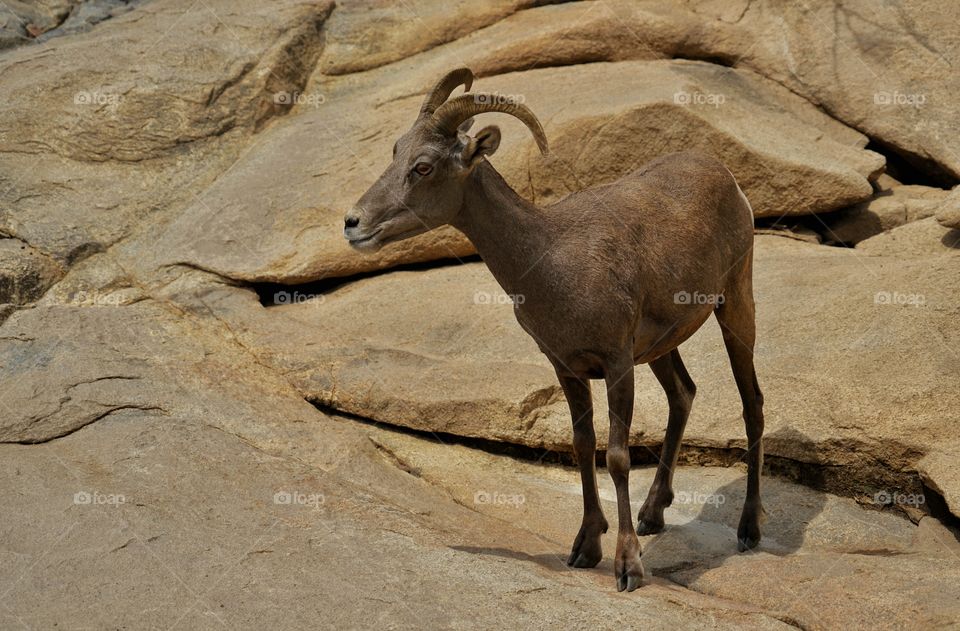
(383,235)
(364,242)
(406,234)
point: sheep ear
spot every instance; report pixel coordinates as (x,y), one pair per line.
(485,143)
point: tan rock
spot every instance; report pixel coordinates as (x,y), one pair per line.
(364,34)
(866,65)
(888,209)
(785,168)
(156,504)
(172,439)
(107,129)
(204,526)
(880,68)
(65,367)
(948,214)
(25,272)
(806,533)
(920,238)
(155,142)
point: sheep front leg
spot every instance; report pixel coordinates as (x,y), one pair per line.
(627,566)
(586,550)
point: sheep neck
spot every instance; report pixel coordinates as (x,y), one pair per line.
(510,233)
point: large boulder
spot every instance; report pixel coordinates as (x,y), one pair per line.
(364,34)
(774,143)
(204,526)
(889,208)
(240,525)
(106,130)
(948,214)
(881,69)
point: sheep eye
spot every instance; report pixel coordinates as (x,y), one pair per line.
(422,168)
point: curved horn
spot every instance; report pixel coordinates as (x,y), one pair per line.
(449,116)
(441,92)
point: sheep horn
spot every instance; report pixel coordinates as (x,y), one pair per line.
(449,115)
(441,92)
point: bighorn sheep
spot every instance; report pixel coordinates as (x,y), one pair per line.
(612,276)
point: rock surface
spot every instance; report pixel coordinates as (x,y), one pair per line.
(23,22)
(25,272)
(371,33)
(105,130)
(883,69)
(948,213)
(206,526)
(889,208)
(176,303)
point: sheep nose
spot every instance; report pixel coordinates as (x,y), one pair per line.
(351,222)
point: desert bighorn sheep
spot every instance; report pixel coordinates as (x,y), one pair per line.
(605,274)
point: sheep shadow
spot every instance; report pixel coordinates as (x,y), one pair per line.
(696,540)
(695,545)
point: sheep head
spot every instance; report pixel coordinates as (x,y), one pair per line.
(424,186)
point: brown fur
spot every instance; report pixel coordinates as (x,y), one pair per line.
(602,273)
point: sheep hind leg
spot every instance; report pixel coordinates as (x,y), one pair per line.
(737,322)
(680,390)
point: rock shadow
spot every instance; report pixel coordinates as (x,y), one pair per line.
(951,239)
